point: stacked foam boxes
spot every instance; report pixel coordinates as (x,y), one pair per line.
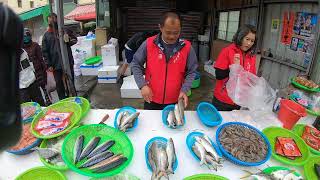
(78,57)
(86,45)
(129,88)
(110,58)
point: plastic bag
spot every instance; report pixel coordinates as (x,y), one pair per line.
(51,82)
(248,90)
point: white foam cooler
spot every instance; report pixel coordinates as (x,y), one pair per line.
(108,74)
(129,88)
(90,70)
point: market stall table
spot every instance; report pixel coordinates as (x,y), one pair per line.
(150,125)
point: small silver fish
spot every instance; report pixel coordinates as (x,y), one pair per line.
(280,174)
(77,150)
(208,147)
(179,121)
(129,120)
(256,176)
(200,151)
(162,161)
(181,109)
(171,120)
(171,153)
(46,153)
(92,144)
(152,161)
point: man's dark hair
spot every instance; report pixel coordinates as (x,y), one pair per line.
(242,32)
(51,15)
(170,14)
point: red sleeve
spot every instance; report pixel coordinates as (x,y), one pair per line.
(253,65)
(222,61)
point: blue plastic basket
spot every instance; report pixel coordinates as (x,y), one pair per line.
(190,142)
(232,158)
(208,114)
(146,149)
(27,149)
(130,110)
(165,113)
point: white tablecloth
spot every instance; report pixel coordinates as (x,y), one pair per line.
(150,125)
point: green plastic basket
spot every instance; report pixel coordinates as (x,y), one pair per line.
(85,106)
(93,60)
(60,107)
(309,171)
(273,132)
(293,82)
(298,130)
(41,173)
(38,109)
(308,110)
(51,166)
(205,177)
(269,170)
(195,83)
(123,145)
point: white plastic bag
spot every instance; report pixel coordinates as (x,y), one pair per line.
(51,82)
(249,90)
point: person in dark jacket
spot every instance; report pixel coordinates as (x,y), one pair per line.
(52,54)
(34,52)
(132,46)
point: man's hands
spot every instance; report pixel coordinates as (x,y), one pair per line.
(146,93)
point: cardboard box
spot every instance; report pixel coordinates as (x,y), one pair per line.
(108,74)
(129,88)
(90,70)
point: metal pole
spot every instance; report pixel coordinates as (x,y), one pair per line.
(63,48)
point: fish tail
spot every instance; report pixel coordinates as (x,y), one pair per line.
(248,174)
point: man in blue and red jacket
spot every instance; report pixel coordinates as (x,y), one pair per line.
(171,65)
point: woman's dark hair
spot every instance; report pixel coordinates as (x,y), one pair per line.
(170,14)
(242,32)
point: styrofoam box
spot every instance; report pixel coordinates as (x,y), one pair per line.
(108,74)
(110,54)
(90,70)
(129,88)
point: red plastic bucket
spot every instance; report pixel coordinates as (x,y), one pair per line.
(290,112)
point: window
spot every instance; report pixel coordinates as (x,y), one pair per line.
(19,3)
(228,24)
(31,4)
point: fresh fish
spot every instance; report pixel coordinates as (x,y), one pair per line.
(77,150)
(291,176)
(111,165)
(208,147)
(101,148)
(179,121)
(89,147)
(96,159)
(162,161)
(130,119)
(171,120)
(46,153)
(125,127)
(211,163)
(120,117)
(256,176)
(170,150)
(151,160)
(181,109)
(106,162)
(280,174)
(317,170)
(200,151)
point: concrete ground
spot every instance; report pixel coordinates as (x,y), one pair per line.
(107,96)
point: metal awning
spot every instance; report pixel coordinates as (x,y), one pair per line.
(84,12)
(34,13)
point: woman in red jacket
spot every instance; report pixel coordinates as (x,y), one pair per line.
(240,52)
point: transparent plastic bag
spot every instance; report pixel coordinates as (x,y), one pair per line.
(248,90)
(51,82)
